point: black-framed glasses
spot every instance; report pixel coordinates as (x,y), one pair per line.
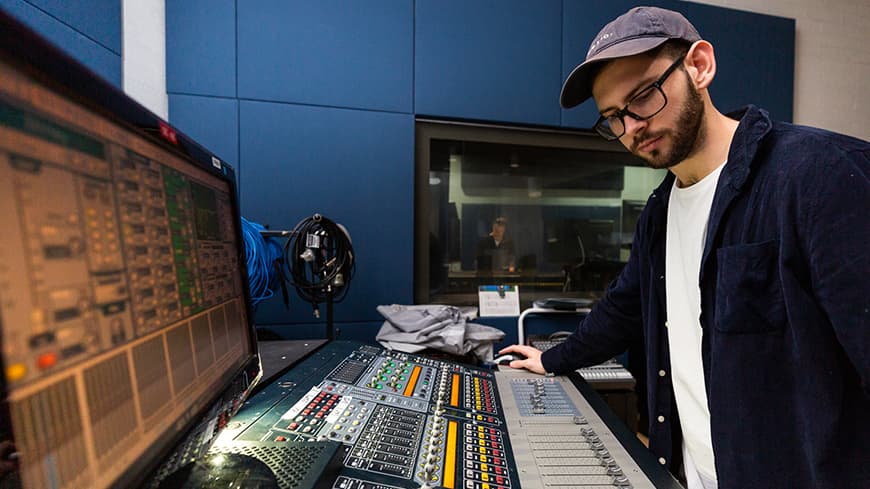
(647,103)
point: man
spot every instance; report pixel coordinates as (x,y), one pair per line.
(748,277)
(496,251)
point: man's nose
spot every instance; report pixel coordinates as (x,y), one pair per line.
(632,125)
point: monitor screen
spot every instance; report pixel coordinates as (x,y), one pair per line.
(123,308)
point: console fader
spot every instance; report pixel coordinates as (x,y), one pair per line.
(406,421)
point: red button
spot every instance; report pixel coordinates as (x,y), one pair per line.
(46,360)
(499,479)
(168,133)
(280,438)
(497,461)
(293,426)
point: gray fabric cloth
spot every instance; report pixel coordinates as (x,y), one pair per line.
(445,328)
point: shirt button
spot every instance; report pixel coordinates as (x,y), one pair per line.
(662,460)
(662,373)
(661,419)
(666,324)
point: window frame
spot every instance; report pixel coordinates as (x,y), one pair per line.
(427,129)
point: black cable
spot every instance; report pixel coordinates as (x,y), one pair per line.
(319,260)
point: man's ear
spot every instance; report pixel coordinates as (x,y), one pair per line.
(701,64)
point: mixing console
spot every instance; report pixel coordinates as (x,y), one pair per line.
(405,421)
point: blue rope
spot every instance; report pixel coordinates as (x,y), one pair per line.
(260,254)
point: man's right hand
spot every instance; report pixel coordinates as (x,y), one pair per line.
(532,362)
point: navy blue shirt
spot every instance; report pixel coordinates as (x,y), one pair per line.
(785,312)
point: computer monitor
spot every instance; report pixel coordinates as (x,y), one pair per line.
(124,308)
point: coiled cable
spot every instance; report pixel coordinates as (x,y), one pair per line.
(319,260)
(260,256)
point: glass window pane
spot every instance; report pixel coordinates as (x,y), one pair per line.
(552,212)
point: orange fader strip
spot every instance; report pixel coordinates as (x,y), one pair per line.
(454,391)
(450,456)
(412,382)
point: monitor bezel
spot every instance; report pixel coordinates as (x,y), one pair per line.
(23,49)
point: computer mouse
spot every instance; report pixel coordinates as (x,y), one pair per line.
(507,358)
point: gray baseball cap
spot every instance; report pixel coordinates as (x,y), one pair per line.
(634,32)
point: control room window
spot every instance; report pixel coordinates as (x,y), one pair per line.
(551,211)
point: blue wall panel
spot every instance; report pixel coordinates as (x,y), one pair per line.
(354,167)
(80,46)
(488,59)
(333,53)
(212,122)
(201,47)
(98,19)
(754,57)
(286,117)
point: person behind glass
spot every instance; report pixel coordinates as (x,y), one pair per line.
(495,252)
(748,277)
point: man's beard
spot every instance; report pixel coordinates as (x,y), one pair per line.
(686,137)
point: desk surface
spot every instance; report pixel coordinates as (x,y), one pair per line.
(277,356)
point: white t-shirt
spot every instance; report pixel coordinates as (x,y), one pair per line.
(688,213)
